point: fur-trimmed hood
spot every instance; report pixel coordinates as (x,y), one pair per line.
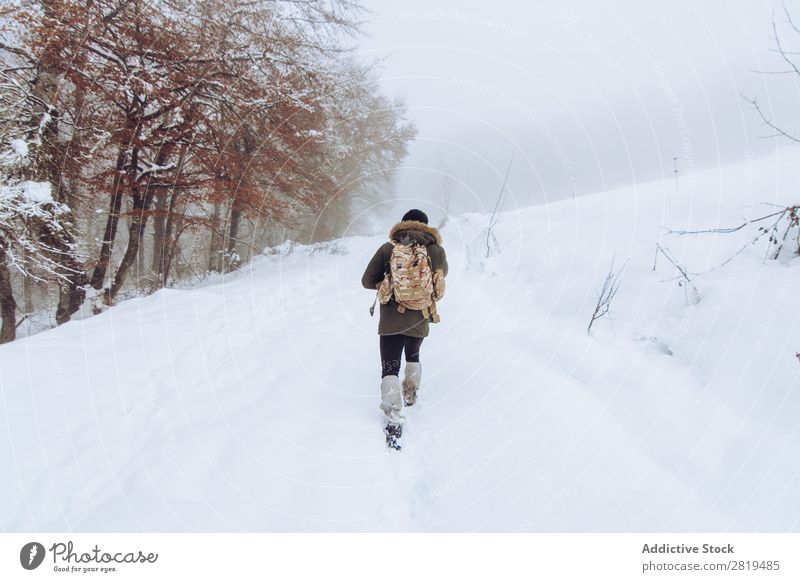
(418,227)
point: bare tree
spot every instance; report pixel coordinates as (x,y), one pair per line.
(792,69)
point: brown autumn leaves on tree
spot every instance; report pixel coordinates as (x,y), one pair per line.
(173,126)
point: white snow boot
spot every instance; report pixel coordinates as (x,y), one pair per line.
(392,399)
(411,378)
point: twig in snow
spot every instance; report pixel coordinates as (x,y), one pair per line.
(497,205)
(686,281)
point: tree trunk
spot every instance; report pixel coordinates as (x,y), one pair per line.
(27,294)
(8,307)
(173,250)
(170,254)
(140,266)
(110,234)
(165,259)
(70,292)
(141,204)
(159,230)
(231,261)
(169,243)
(215,246)
(70,298)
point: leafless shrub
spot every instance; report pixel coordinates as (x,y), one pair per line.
(785,222)
(607,294)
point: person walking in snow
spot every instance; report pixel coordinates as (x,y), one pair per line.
(408,272)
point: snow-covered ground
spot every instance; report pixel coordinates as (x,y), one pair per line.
(251,403)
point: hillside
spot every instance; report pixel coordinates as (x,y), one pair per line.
(250,403)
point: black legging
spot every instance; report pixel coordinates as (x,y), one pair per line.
(392,347)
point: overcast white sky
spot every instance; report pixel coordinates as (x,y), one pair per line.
(602,93)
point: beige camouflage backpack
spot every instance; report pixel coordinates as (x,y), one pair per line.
(412,281)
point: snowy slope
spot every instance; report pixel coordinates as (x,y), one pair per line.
(251,403)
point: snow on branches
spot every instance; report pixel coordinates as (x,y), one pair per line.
(27,212)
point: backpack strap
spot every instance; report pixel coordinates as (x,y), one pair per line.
(372,308)
(433,314)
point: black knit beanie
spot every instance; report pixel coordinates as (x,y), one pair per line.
(417,215)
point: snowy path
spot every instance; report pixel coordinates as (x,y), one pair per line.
(251,403)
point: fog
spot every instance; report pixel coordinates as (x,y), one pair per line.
(584,96)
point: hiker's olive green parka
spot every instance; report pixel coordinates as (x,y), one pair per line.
(411,322)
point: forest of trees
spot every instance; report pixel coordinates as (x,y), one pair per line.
(148,142)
